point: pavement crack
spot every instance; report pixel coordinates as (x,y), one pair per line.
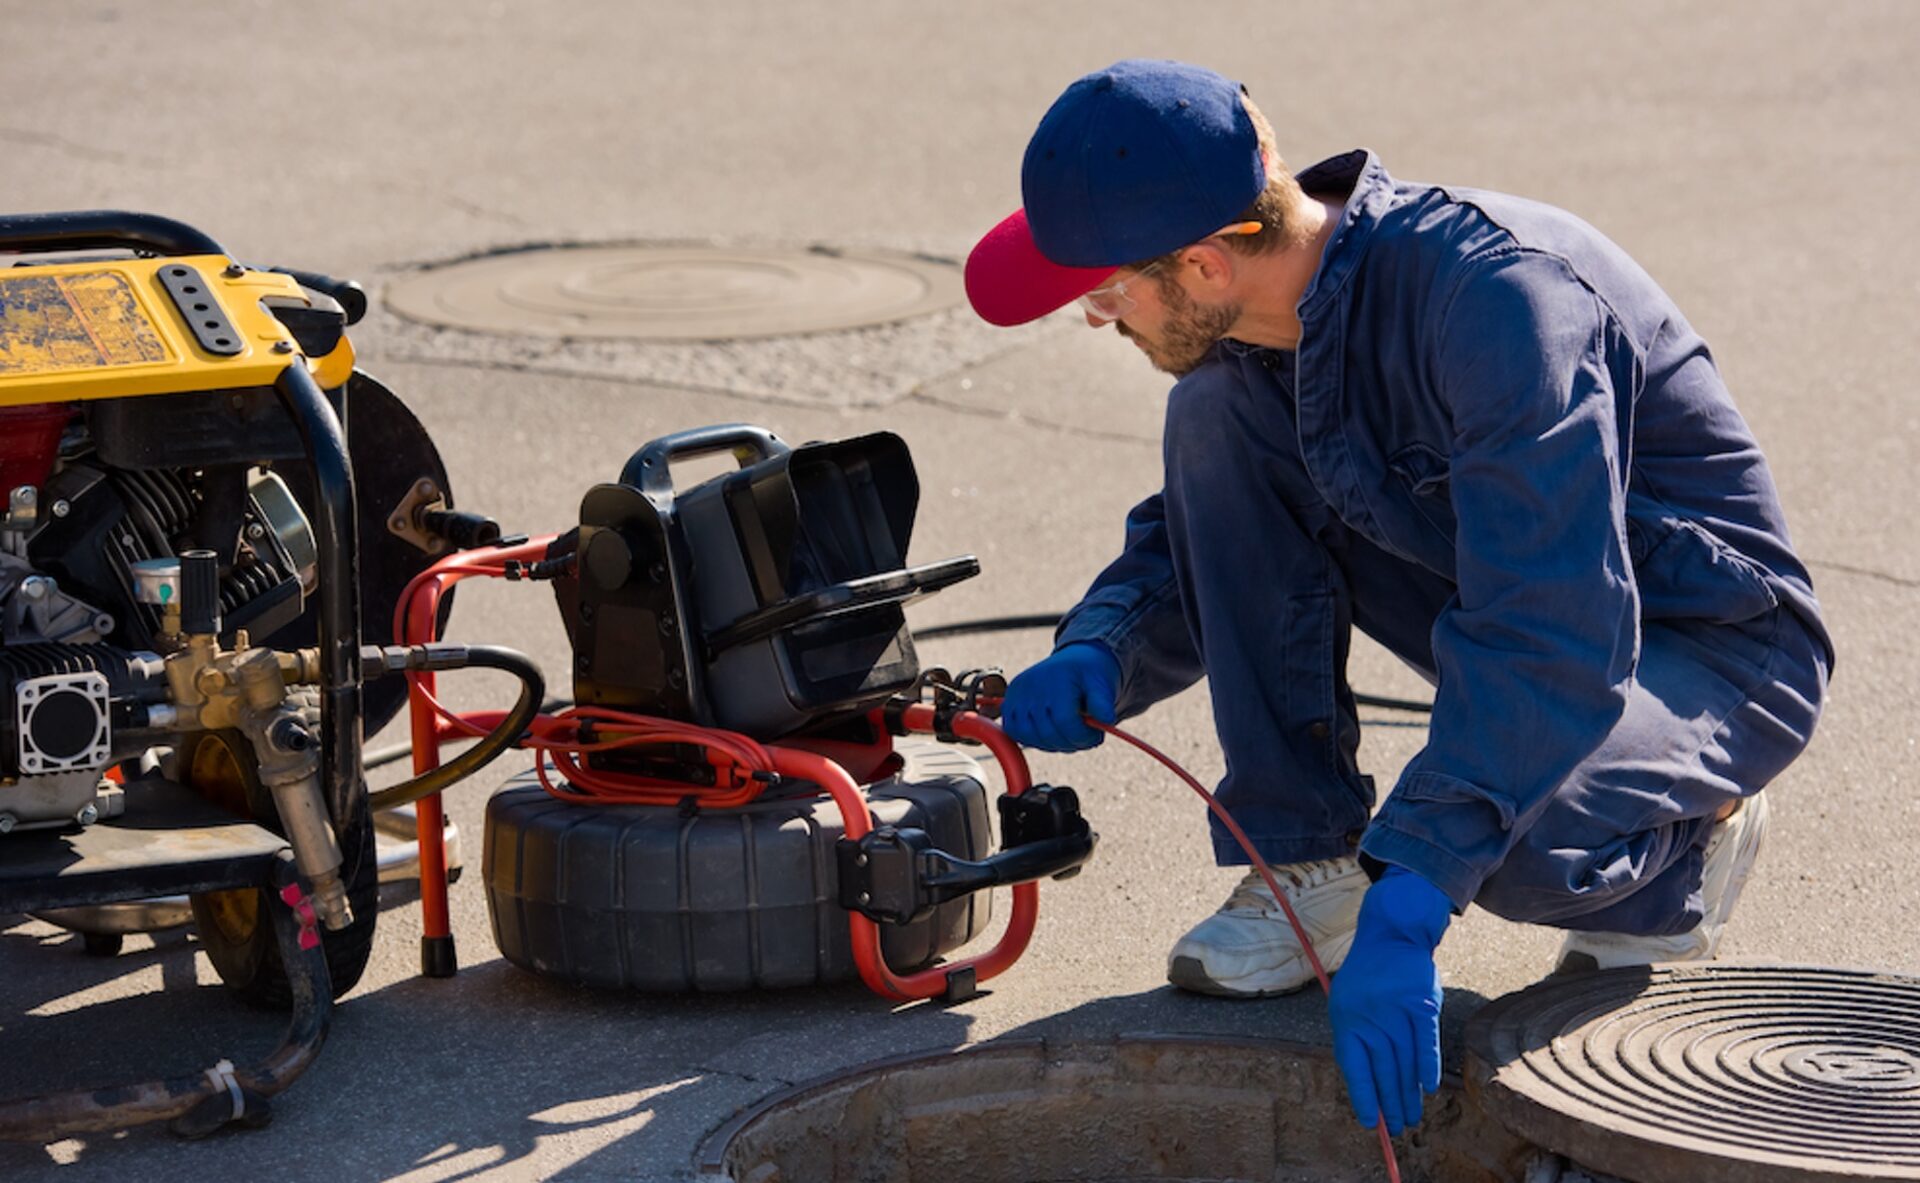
(704,1070)
(540,371)
(40,139)
(1078,430)
(1864,572)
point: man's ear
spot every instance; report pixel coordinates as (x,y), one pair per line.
(1211,265)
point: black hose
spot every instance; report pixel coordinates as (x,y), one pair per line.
(997,624)
(988,624)
(533,688)
(394,753)
(1394,704)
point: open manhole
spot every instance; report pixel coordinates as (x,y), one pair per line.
(676,292)
(1712,1074)
(1131,1110)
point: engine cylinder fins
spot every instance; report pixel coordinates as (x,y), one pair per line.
(1697,1074)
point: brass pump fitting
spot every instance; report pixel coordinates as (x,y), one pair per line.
(300,667)
(245,689)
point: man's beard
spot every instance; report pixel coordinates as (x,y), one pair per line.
(1189,331)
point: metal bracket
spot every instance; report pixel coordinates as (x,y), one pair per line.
(407,521)
(196,304)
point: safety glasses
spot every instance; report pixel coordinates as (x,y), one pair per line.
(1111,302)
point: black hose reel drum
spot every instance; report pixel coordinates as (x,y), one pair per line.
(767,601)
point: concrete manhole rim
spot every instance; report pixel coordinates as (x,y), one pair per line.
(710,1159)
(418,293)
(1528,1067)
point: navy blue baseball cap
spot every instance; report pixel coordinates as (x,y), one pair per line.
(1131,162)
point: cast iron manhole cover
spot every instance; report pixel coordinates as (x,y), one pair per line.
(675,292)
(1710,1074)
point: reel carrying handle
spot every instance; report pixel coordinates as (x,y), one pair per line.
(650,469)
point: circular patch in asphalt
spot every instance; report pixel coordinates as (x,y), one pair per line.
(1762,1074)
(675,292)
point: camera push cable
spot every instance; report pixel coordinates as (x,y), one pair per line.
(1266,873)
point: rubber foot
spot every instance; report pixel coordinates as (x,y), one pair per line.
(962,985)
(437,958)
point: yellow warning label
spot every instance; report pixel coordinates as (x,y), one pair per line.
(77,321)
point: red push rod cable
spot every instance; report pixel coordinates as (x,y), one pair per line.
(1266,872)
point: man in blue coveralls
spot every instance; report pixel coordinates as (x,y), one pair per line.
(1472,426)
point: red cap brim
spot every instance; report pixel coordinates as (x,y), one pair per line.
(1009,281)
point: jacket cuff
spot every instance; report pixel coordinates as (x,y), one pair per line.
(1398,848)
(1114,621)
(1452,831)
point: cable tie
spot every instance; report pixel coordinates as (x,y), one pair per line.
(303,911)
(222,1076)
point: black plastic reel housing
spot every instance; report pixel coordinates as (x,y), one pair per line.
(764,601)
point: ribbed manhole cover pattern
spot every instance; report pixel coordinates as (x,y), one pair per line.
(675,292)
(1752,1074)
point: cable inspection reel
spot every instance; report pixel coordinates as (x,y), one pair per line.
(766,604)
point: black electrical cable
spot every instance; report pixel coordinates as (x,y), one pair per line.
(533,688)
(988,624)
(998,624)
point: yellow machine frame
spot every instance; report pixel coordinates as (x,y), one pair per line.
(111,329)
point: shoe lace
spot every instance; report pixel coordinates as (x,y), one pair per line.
(1252,893)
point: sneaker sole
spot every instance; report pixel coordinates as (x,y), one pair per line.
(1190,974)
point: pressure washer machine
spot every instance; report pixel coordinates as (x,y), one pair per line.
(732,810)
(199,492)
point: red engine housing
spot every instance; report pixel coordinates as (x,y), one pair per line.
(30,443)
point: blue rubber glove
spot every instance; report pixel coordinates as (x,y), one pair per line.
(1042,707)
(1385,1003)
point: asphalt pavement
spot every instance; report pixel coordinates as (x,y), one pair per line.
(1759,159)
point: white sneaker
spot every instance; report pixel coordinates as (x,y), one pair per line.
(1248,950)
(1729,859)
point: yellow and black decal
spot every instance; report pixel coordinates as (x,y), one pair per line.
(121,328)
(75,321)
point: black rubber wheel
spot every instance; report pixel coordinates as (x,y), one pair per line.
(101,944)
(235,927)
(655,899)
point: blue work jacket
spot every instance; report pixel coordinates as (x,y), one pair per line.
(1487,388)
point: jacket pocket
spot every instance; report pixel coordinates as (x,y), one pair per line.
(1686,572)
(1425,474)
